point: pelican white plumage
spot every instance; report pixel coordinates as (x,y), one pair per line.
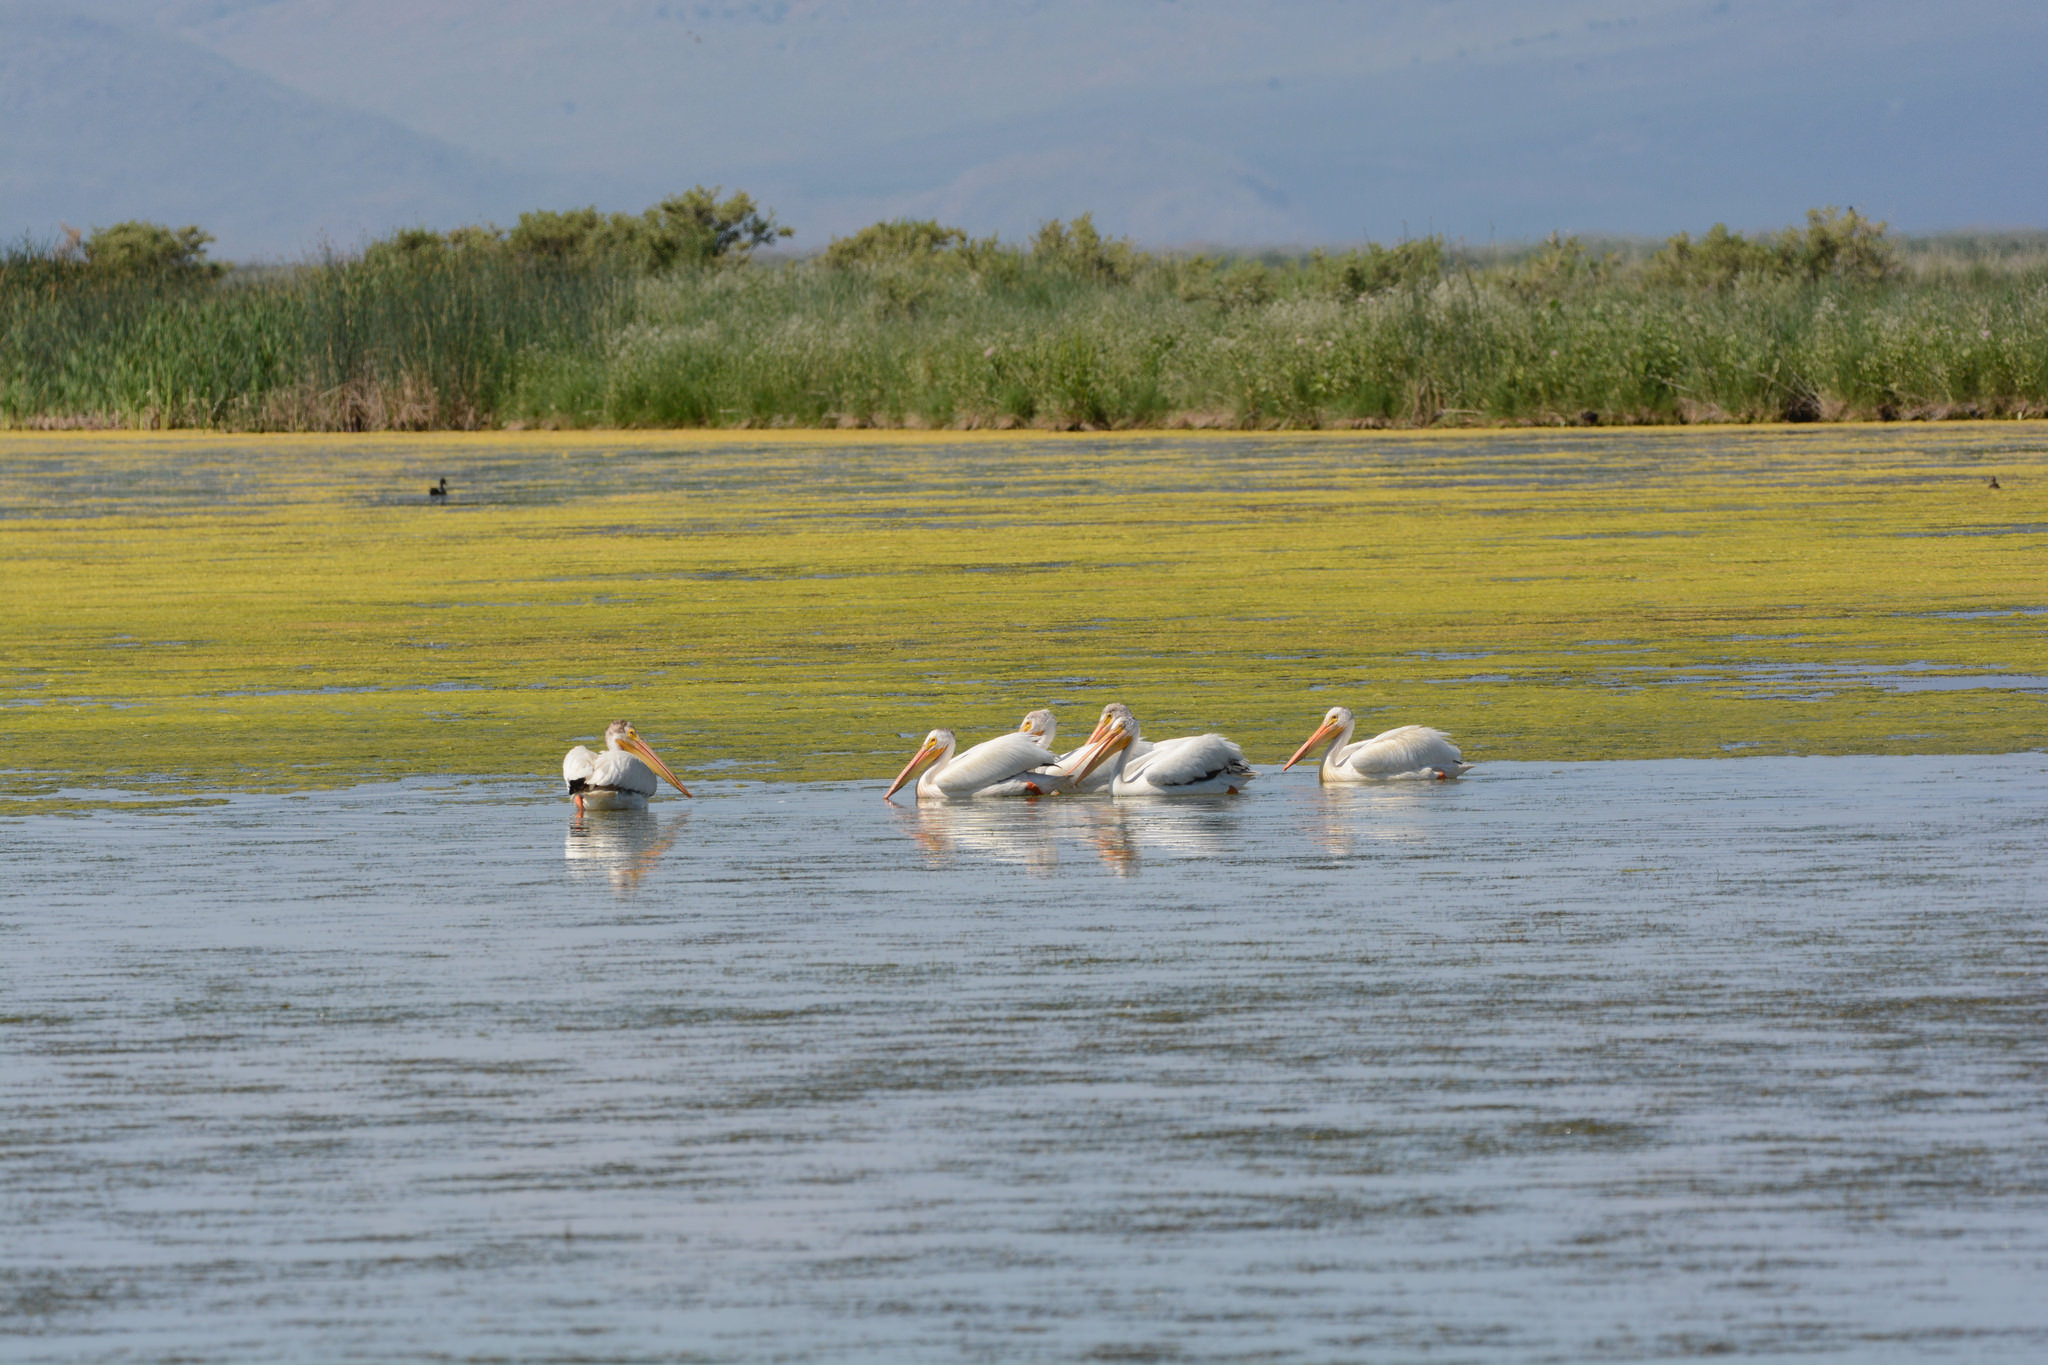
(620,778)
(1008,765)
(1193,765)
(1406,751)
(1042,726)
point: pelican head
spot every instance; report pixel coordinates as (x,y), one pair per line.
(1118,729)
(619,735)
(1041,726)
(1336,721)
(937,744)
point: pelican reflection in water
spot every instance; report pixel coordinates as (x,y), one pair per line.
(1105,828)
(622,845)
(1040,836)
(1362,819)
(1018,834)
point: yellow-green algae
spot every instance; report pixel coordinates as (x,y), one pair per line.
(201,611)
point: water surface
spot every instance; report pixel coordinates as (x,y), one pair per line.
(1560,1062)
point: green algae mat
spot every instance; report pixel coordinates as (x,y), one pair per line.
(208,612)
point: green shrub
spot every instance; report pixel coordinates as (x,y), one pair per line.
(421,246)
(1839,245)
(1372,267)
(1835,245)
(1079,249)
(693,228)
(904,239)
(1558,267)
(139,248)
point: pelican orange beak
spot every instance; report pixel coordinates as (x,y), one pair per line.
(931,750)
(638,747)
(1101,745)
(1329,728)
(1081,754)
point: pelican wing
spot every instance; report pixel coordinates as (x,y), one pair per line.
(992,763)
(1406,751)
(1190,762)
(577,765)
(614,770)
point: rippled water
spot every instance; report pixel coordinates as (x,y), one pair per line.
(1591,1061)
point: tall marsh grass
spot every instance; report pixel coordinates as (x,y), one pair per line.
(334,345)
(935,330)
(801,347)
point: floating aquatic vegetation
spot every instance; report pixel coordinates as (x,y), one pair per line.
(294,611)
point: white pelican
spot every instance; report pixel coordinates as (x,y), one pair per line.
(616,779)
(1041,726)
(1194,765)
(1008,765)
(1412,751)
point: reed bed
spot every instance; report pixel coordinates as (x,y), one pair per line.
(997,337)
(338,345)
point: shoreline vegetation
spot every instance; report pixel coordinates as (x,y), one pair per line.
(677,318)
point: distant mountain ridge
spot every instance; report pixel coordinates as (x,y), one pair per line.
(99,124)
(279,123)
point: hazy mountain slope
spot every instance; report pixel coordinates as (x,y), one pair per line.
(1175,120)
(99,124)
(604,84)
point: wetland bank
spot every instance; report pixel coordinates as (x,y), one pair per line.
(667,319)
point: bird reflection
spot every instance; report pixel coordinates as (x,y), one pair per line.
(1191,827)
(621,844)
(1015,832)
(1105,826)
(1030,834)
(1359,819)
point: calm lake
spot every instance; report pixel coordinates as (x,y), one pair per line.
(1600,1061)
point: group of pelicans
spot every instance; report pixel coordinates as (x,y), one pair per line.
(1115,759)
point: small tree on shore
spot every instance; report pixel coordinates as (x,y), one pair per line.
(1373,268)
(694,227)
(903,239)
(140,248)
(691,228)
(1836,244)
(1078,247)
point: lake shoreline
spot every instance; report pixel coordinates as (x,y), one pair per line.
(1193,422)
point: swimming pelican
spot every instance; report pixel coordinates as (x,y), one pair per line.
(1413,751)
(616,779)
(1193,765)
(1008,765)
(1041,726)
